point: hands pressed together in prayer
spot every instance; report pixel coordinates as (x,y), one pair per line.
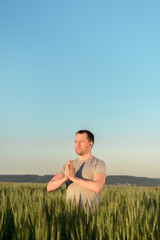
(70,170)
(94,185)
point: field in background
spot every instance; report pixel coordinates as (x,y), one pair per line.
(111,180)
(27,211)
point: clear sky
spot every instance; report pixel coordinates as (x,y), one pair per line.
(71,65)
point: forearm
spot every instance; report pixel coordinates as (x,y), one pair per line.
(89,185)
(55,184)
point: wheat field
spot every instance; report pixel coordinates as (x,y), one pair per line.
(28,212)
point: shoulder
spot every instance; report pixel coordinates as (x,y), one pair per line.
(75,162)
(98,161)
(100,166)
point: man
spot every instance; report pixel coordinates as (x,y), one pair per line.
(85,176)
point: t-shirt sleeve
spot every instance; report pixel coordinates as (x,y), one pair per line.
(100,167)
(62,170)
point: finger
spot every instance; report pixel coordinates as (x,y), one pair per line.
(71,163)
(68,163)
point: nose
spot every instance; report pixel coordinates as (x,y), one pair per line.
(78,144)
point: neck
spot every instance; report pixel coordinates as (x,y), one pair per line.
(86,156)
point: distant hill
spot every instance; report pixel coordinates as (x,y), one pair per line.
(130,180)
(111,180)
(25,178)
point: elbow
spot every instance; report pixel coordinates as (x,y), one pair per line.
(48,188)
(97,191)
(99,188)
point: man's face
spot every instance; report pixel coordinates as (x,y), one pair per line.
(82,145)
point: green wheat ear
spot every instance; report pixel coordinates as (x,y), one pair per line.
(28,212)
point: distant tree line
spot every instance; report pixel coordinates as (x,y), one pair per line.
(111,180)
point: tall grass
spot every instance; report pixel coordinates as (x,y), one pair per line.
(27,211)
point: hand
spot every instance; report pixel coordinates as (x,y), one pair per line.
(72,171)
(67,169)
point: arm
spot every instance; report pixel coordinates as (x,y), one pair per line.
(96,185)
(56,182)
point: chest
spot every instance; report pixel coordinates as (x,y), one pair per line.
(85,170)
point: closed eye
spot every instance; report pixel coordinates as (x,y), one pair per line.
(81,141)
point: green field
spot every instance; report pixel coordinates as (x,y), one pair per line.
(28,212)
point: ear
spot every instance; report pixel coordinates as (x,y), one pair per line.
(91,144)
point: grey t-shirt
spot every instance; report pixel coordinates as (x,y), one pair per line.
(85,169)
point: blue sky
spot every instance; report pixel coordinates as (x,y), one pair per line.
(69,65)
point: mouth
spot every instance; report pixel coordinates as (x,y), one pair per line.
(78,149)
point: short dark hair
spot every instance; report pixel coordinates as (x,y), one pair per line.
(89,134)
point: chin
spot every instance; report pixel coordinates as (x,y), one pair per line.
(79,153)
